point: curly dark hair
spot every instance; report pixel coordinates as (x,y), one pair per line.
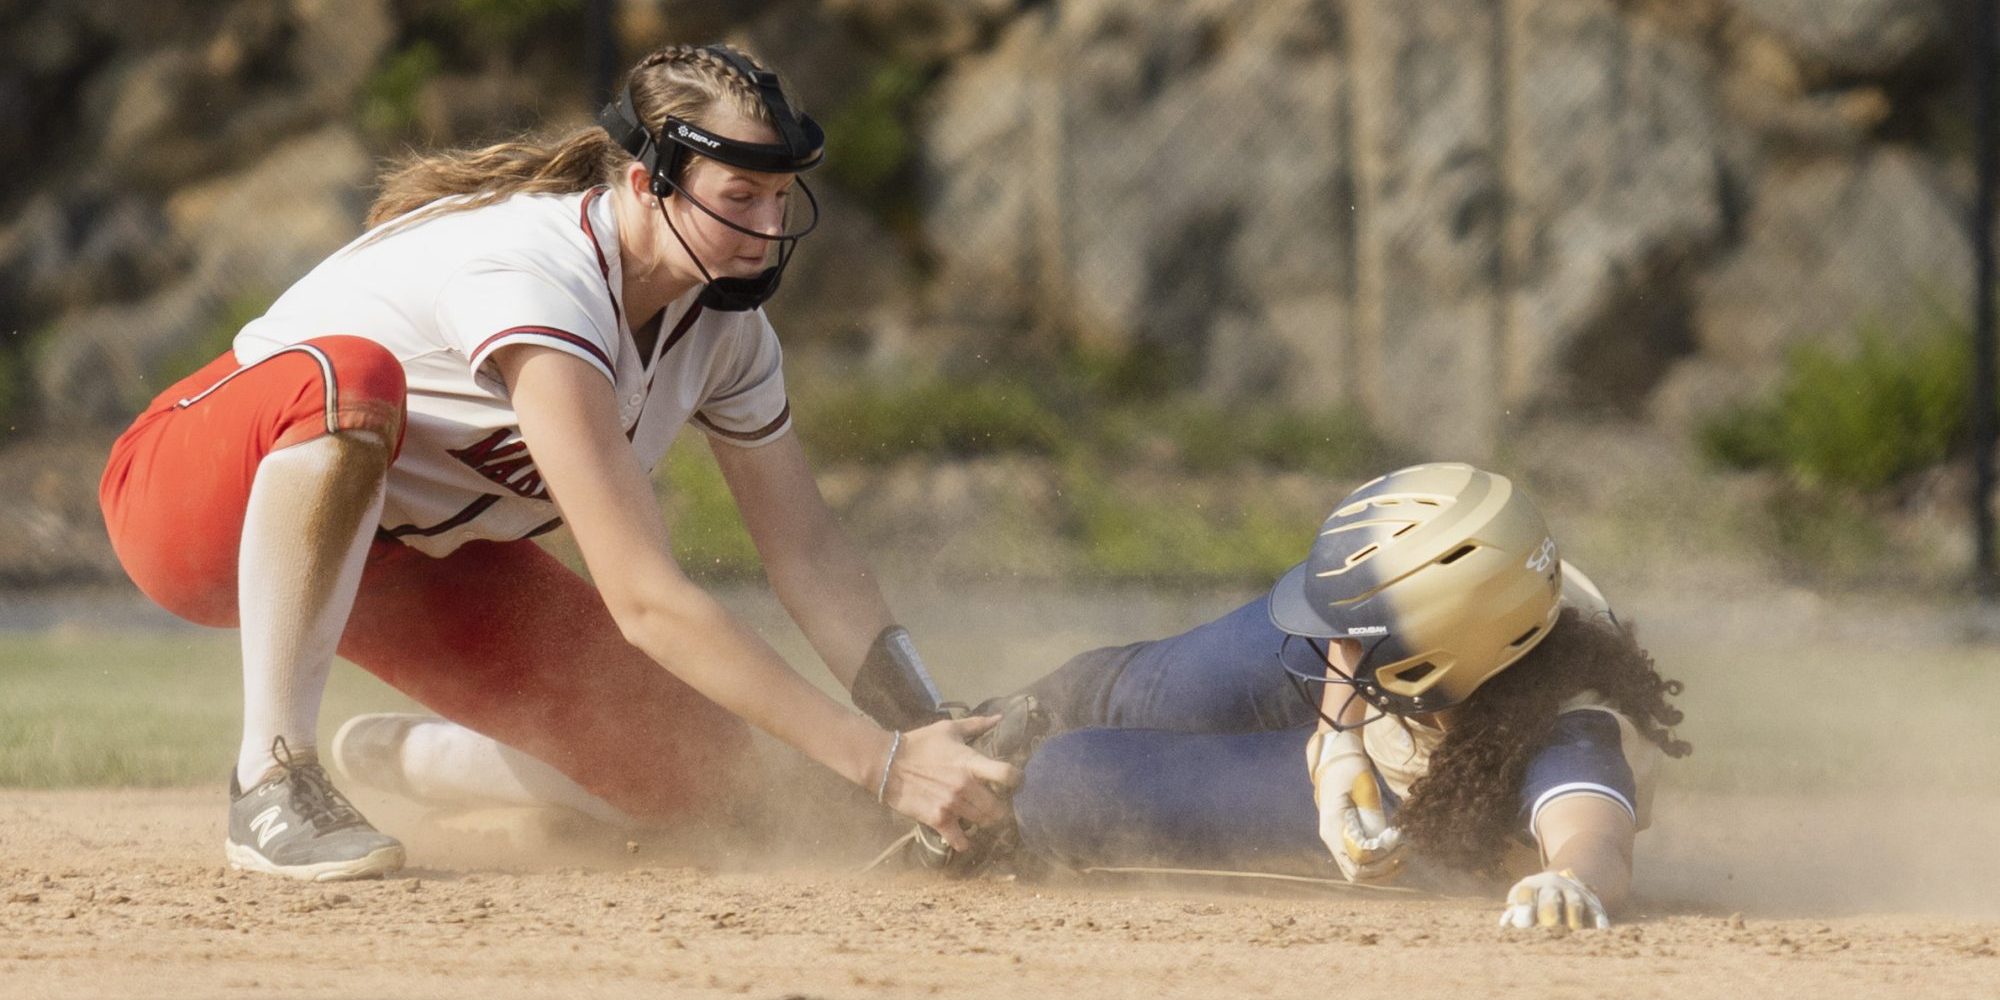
(1466,808)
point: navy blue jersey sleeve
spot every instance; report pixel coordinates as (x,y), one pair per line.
(1585,753)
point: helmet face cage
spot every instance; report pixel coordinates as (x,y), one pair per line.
(1321,671)
(739,294)
(1362,684)
(801,147)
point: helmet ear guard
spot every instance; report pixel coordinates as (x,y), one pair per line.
(800,147)
(1452,567)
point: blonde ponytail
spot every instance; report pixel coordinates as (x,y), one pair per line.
(681,81)
(560,165)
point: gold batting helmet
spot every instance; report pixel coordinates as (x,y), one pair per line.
(1445,573)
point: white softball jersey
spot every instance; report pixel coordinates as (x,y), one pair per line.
(443,294)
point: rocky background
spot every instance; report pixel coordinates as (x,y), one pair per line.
(1481,223)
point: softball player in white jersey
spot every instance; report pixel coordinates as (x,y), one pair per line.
(514,345)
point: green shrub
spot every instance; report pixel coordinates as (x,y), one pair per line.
(1145,488)
(1329,442)
(928,418)
(1051,413)
(16,385)
(1133,374)
(1859,422)
(1202,437)
(389,97)
(872,130)
(510,21)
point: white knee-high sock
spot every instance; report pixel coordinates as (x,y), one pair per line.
(446,762)
(313,510)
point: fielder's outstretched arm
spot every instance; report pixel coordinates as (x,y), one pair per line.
(818,575)
(570,423)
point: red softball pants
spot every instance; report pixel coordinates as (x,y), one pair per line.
(497,636)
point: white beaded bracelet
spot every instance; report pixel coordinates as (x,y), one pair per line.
(882,788)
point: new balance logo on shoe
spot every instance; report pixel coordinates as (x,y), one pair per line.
(296,824)
(266,826)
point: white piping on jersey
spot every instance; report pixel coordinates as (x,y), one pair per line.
(326,377)
(1590,787)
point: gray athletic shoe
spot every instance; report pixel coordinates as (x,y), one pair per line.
(296,824)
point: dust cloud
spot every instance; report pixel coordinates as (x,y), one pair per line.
(1842,757)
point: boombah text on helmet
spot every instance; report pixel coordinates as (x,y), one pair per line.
(800,147)
(1444,573)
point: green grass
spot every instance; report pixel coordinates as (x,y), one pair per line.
(1151,489)
(703,526)
(137,709)
(1127,530)
(161,709)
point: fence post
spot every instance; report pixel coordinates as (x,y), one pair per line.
(600,53)
(1985,380)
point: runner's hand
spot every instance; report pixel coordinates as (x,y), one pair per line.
(1352,823)
(1554,899)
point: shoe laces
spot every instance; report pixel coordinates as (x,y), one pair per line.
(314,798)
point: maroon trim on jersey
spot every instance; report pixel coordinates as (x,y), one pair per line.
(472,510)
(680,330)
(553,334)
(653,367)
(603,264)
(590,198)
(757,435)
(544,528)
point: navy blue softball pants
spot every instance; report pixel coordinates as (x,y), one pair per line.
(1184,752)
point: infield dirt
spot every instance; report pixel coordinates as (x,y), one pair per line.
(123,893)
(1831,837)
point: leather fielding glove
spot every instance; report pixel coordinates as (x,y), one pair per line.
(1352,823)
(1022,727)
(1554,899)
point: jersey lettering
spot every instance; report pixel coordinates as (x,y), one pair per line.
(503,458)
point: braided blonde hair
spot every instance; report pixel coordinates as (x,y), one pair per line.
(688,82)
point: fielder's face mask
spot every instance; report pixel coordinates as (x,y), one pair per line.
(800,147)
